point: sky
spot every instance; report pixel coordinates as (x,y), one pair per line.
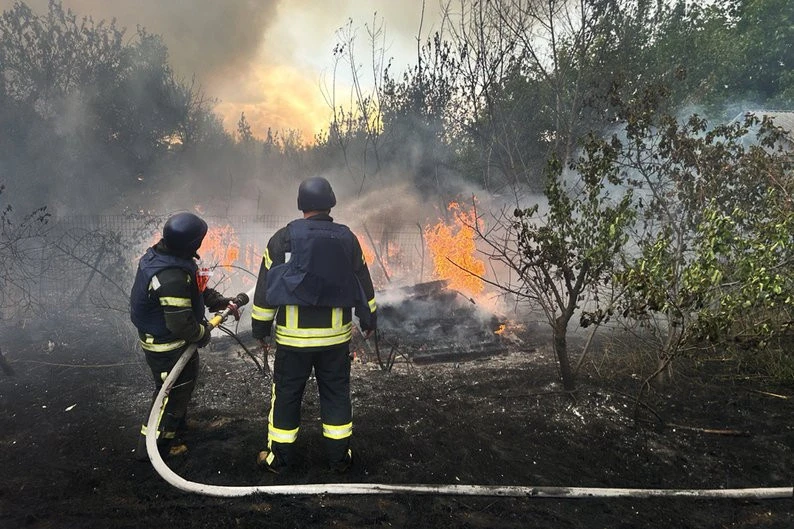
(271,59)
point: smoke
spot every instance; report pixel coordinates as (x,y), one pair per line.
(204,37)
(266,58)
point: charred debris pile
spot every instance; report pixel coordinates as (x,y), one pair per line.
(430,322)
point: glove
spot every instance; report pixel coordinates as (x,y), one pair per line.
(214,301)
(369,324)
(205,338)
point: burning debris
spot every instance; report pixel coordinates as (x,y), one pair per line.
(431,322)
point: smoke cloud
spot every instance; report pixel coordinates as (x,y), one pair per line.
(204,37)
(266,58)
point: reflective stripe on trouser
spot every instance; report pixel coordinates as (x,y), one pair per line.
(172,416)
(291,369)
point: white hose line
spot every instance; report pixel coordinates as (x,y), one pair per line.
(226,491)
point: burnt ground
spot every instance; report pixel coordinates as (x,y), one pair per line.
(71,412)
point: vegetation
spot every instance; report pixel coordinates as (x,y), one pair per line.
(627,203)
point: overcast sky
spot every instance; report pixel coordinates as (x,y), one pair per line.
(271,59)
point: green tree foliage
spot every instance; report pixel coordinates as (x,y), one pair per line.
(714,246)
(563,254)
(528,71)
(725,52)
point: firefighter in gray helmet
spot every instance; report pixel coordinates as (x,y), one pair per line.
(312,279)
(167,306)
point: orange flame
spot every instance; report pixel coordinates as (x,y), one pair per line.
(500,330)
(454,251)
(220,246)
(379,264)
(369,253)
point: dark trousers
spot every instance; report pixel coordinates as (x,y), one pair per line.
(291,370)
(174,414)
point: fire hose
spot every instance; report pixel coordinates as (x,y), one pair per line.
(226,491)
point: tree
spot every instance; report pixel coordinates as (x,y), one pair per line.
(18,254)
(714,247)
(528,75)
(244,134)
(560,258)
(78,100)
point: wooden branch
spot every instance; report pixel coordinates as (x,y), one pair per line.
(768,394)
(377,254)
(716,431)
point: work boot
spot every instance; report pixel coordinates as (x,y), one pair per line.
(267,460)
(140,451)
(343,466)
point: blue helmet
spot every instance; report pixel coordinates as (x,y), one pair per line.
(315,194)
(184,232)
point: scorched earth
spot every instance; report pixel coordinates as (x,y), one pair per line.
(72,408)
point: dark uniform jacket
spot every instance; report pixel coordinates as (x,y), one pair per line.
(165,303)
(313,274)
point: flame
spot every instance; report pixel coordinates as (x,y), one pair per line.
(369,253)
(221,246)
(500,330)
(379,264)
(252,259)
(453,250)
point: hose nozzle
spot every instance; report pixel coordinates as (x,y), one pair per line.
(233,309)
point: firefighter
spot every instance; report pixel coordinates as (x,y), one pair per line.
(167,306)
(313,275)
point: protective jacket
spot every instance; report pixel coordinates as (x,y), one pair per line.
(319,271)
(148,306)
(312,274)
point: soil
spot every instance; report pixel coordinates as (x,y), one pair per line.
(72,409)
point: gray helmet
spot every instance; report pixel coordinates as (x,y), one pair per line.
(315,194)
(184,232)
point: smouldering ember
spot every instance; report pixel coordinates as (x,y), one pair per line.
(453,249)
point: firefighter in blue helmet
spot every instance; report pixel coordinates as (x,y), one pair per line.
(168,309)
(312,277)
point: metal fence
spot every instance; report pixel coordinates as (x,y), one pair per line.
(94,256)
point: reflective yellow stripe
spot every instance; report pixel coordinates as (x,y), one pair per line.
(263,313)
(160,347)
(338,432)
(270,413)
(274,434)
(313,337)
(166,435)
(291,316)
(175,302)
(292,335)
(270,458)
(266,258)
(277,435)
(372,306)
(320,332)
